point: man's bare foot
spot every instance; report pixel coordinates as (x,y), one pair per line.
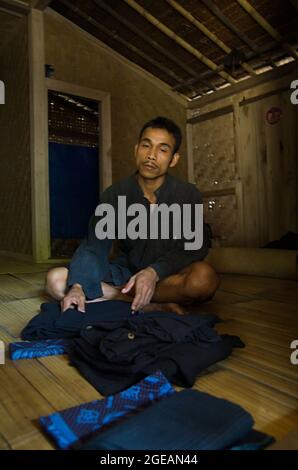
(165,307)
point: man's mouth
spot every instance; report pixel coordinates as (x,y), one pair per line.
(150,166)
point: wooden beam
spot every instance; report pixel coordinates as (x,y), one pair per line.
(178,40)
(251,55)
(119,39)
(40,4)
(244,85)
(15,7)
(267,27)
(215,39)
(229,25)
(167,53)
(211,115)
(39,139)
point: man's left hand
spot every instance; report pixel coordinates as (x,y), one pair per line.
(144,282)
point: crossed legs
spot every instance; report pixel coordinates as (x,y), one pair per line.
(197,282)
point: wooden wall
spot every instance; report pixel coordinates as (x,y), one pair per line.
(15,178)
(80,60)
(249,180)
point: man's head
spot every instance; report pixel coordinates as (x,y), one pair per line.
(157,148)
(166,124)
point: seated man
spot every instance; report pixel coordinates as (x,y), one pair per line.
(151,273)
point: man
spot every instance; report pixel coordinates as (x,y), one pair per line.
(152,274)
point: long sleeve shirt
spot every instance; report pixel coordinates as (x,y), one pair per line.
(90,264)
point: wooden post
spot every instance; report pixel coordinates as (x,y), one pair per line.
(39,139)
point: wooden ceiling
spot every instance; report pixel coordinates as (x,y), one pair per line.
(195,46)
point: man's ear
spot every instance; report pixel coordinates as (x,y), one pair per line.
(175,160)
(136,149)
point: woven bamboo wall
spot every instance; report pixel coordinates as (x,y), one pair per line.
(215,175)
(245,163)
(15,179)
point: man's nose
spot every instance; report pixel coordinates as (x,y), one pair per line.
(152,154)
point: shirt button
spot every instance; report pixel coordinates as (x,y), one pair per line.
(131,335)
(89,327)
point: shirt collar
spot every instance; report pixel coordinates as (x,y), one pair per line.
(157,192)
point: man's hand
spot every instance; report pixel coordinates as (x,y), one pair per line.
(144,282)
(75,296)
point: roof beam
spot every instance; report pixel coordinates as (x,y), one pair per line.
(40,4)
(267,27)
(152,43)
(229,25)
(186,14)
(116,37)
(251,55)
(15,7)
(171,34)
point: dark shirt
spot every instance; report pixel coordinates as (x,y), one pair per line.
(90,263)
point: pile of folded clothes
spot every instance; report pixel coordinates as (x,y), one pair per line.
(132,358)
(113,348)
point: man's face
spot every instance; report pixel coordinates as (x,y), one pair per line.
(154,153)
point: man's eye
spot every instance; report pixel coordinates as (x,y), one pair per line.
(164,150)
(145,145)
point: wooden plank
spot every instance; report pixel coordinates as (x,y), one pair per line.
(12,288)
(20,406)
(211,115)
(35,279)
(15,7)
(15,315)
(62,388)
(242,367)
(271,411)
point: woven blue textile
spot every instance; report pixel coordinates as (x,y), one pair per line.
(29,350)
(187,420)
(70,426)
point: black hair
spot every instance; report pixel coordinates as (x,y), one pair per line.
(164,123)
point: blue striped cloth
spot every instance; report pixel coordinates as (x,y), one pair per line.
(32,349)
(70,426)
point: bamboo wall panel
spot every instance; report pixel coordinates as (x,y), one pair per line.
(15,179)
(263,151)
(215,174)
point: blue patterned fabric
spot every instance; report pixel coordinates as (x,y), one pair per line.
(69,426)
(29,350)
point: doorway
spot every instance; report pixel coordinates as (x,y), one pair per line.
(74,168)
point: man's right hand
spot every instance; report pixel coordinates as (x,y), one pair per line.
(75,296)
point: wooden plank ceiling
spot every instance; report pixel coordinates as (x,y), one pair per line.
(195,46)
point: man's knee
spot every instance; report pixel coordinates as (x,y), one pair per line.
(201,281)
(56,282)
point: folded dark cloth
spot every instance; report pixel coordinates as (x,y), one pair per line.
(187,420)
(253,440)
(43,348)
(50,323)
(70,426)
(114,349)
